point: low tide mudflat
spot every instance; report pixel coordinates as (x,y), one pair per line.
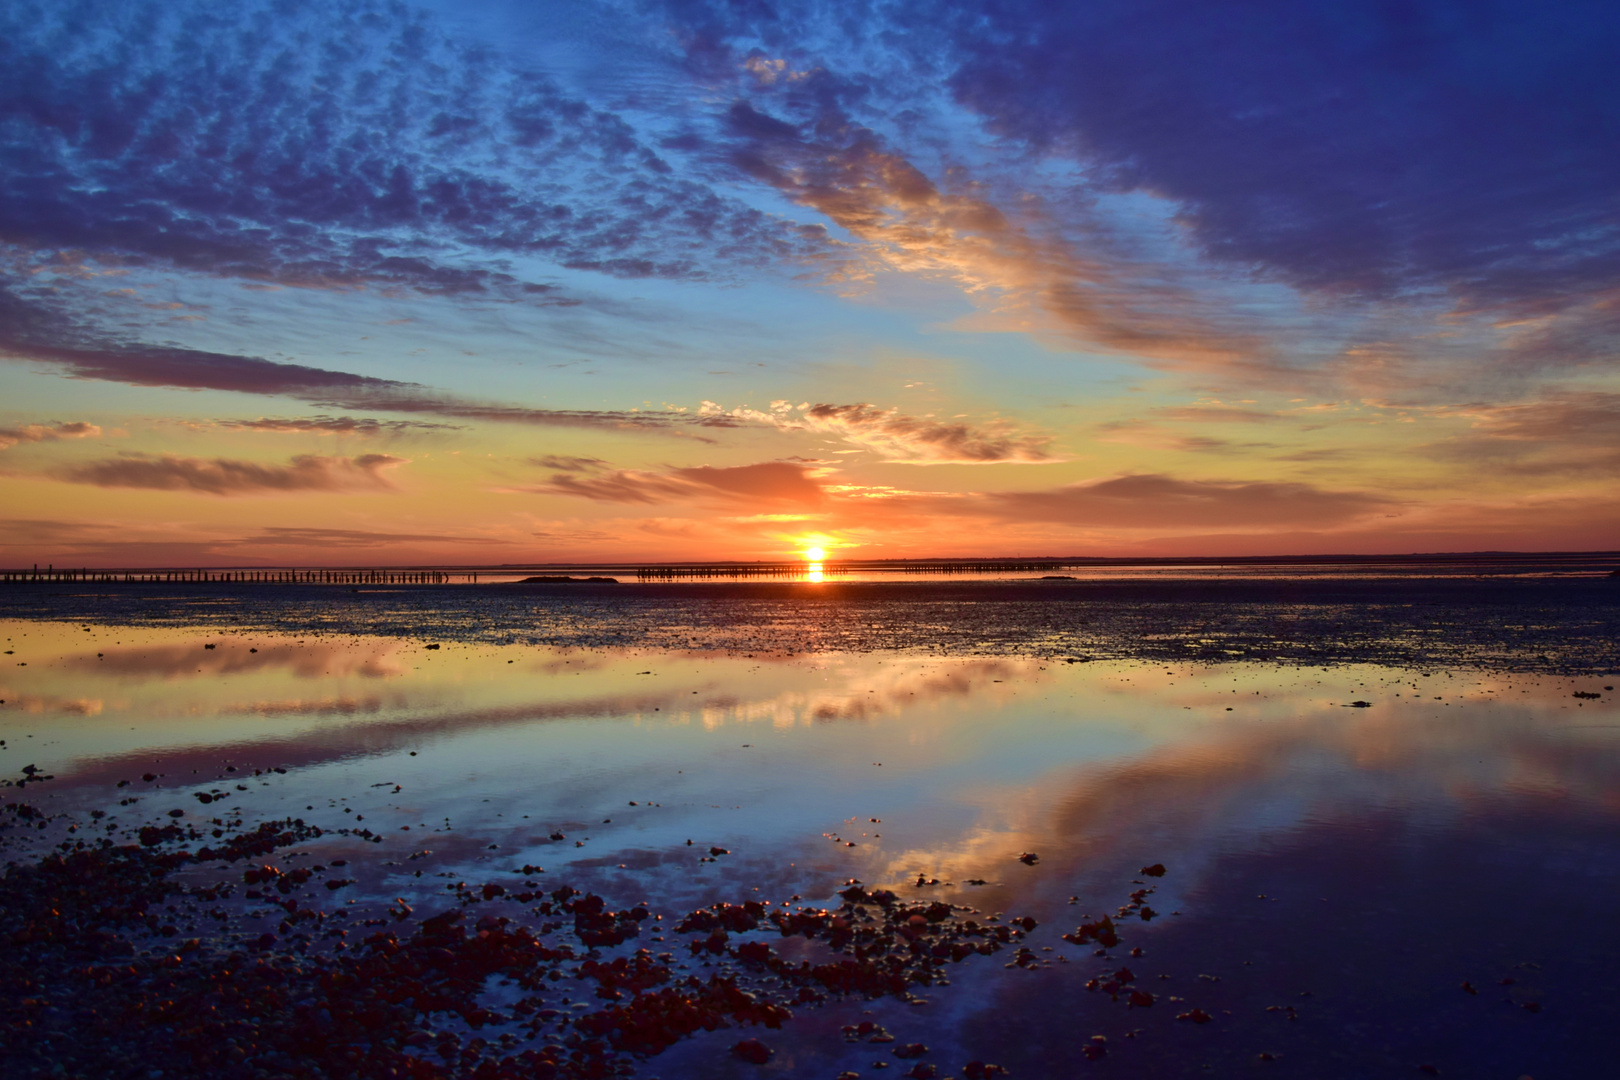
(448,832)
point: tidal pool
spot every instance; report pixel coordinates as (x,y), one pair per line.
(1368,870)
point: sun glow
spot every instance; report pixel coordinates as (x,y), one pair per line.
(815,554)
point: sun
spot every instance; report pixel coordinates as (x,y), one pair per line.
(815,554)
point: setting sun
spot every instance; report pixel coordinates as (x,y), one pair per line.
(815,554)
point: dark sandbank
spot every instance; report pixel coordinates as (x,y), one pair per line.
(1546,624)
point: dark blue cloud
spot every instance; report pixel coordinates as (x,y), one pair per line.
(1373,147)
(32,329)
(1376,150)
(334,144)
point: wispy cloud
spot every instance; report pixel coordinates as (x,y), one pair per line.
(32,329)
(34,433)
(564,463)
(770,483)
(1157,501)
(364,427)
(306,538)
(1565,435)
(1378,161)
(896,437)
(221,476)
(836,166)
(1148,501)
(926,441)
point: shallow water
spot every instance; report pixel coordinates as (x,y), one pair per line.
(1335,871)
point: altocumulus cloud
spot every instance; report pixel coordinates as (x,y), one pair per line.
(335,144)
(1372,150)
(1393,166)
(221,476)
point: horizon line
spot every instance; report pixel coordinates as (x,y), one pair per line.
(895,564)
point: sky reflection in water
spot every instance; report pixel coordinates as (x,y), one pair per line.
(1400,848)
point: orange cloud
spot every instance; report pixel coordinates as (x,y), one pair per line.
(224,477)
(772,482)
(1127,502)
(900,439)
(33,433)
(1155,502)
(924,441)
(1587,417)
(1151,501)
(906,223)
(1567,434)
(333,425)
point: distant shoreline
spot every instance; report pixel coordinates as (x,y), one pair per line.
(1559,563)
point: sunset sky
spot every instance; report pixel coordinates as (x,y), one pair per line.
(500,282)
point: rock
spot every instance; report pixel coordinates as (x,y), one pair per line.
(752,1051)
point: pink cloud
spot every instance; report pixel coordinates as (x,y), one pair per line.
(926,441)
(221,476)
(906,223)
(333,425)
(1154,501)
(33,433)
(773,482)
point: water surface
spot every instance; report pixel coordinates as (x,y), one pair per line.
(1345,844)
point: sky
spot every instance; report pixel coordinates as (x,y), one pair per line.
(355,282)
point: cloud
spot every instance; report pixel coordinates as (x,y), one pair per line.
(34,329)
(925,441)
(1127,502)
(1149,436)
(1216,413)
(1590,416)
(836,166)
(364,427)
(224,477)
(1340,148)
(33,433)
(1140,176)
(773,483)
(336,146)
(900,439)
(564,463)
(1154,501)
(288,536)
(1562,434)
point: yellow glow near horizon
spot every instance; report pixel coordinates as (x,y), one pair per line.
(815,554)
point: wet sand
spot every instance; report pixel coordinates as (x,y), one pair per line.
(1533,622)
(1335,872)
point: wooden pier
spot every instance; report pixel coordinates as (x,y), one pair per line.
(255,576)
(1484,564)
